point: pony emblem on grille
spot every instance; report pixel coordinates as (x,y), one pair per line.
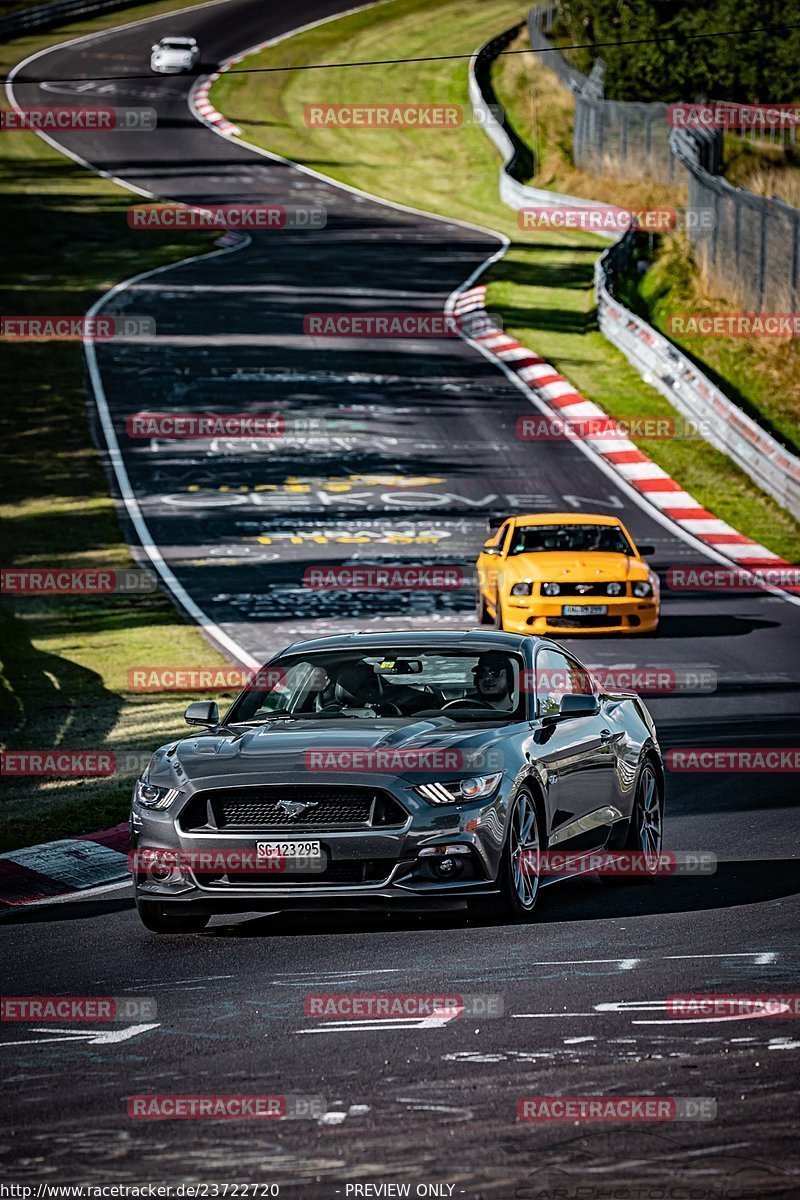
(295,808)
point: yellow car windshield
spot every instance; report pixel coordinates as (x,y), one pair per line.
(571,539)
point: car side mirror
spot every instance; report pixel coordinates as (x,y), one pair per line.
(646,550)
(154,47)
(579,704)
(491,550)
(202,712)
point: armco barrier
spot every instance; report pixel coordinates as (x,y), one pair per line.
(769,464)
(46,16)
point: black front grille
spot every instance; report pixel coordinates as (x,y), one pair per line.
(343,871)
(585,589)
(258,809)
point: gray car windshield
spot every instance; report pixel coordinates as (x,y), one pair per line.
(581,539)
(391,683)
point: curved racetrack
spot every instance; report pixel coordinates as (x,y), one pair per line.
(423,449)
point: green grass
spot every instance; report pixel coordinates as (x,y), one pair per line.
(762,376)
(63,676)
(543,286)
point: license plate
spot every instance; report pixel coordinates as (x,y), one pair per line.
(267,850)
(584,610)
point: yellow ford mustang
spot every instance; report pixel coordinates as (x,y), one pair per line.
(566,573)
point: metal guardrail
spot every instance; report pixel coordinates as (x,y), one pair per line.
(45,16)
(753,249)
(513,193)
(720,422)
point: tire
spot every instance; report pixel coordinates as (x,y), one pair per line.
(154,918)
(482,612)
(645,832)
(519,889)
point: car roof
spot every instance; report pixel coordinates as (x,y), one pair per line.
(571,518)
(451,639)
(178,37)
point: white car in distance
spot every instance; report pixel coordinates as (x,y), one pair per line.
(174,54)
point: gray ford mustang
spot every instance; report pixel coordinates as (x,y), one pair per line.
(415,766)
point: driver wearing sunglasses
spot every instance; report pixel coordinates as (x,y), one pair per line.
(493,681)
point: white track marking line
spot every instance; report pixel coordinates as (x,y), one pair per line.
(92,1037)
(210,628)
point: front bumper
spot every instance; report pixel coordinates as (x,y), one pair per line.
(364,865)
(543,615)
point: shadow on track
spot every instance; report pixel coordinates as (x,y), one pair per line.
(586,899)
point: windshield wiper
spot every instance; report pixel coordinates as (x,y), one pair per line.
(282,713)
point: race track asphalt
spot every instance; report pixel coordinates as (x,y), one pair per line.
(424,449)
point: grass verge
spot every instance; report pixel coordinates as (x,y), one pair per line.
(761,375)
(63,675)
(543,285)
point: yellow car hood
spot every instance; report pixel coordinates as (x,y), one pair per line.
(587,568)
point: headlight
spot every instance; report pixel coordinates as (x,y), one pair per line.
(615,589)
(522,589)
(551,589)
(460,790)
(642,589)
(154,797)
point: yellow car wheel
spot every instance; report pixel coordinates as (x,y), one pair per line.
(482,612)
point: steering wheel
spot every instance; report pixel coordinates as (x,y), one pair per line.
(384,704)
(462,702)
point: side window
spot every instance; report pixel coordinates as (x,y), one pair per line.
(558,676)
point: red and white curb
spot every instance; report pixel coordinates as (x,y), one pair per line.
(206,109)
(69,865)
(544,382)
